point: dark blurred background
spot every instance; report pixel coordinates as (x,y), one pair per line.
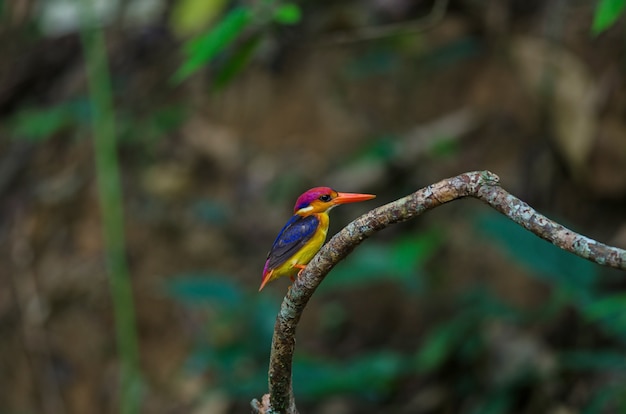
(224,113)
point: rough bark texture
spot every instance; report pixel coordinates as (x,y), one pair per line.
(483,185)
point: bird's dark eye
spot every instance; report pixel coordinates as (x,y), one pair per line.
(325,198)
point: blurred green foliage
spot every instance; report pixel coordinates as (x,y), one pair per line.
(239,326)
(149,128)
(39,124)
(234,343)
(575,283)
(236,62)
(42,123)
(606,14)
(287,13)
(398,261)
(571,274)
(574,280)
(368,376)
(111,206)
(202,49)
(596,360)
(230,32)
(445,148)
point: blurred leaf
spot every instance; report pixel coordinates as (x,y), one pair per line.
(370,263)
(109,186)
(154,126)
(38,124)
(262,313)
(372,373)
(607,307)
(605,400)
(199,288)
(495,403)
(236,63)
(444,148)
(409,253)
(233,367)
(480,301)
(597,360)
(574,275)
(460,336)
(287,13)
(608,311)
(167,118)
(234,342)
(333,316)
(203,49)
(247,383)
(199,359)
(607,12)
(190,16)
(383,148)
(441,343)
(374,262)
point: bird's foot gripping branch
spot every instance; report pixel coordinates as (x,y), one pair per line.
(483,185)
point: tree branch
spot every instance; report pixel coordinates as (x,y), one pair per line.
(483,185)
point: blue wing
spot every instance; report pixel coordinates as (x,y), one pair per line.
(294,235)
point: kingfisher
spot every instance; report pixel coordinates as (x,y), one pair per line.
(305,233)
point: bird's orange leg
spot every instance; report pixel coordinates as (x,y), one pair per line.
(298,266)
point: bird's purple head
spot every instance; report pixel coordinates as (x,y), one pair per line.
(313,194)
(322,199)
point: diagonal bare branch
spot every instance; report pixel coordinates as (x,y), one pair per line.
(483,185)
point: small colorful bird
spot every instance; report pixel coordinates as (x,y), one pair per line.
(305,232)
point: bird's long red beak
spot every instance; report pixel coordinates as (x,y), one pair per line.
(343,198)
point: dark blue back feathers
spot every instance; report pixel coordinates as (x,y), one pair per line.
(292,238)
